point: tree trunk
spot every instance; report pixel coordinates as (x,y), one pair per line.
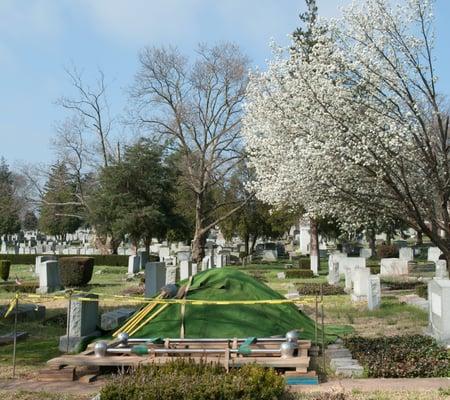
(147,243)
(419,240)
(252,248)
(199,241)
(246,241)
(371,239)
(388,239)
(314,246)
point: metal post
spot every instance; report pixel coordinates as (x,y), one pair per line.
(16,311)
(323,328)
(68,320)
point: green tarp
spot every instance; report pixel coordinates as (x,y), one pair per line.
(228,321)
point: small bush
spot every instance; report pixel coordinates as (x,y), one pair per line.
(5,267)
(400,356)
(299,273)
(374,269)
(401,285)
(311,289)
(387,251)
(304,263)
(111,260)
(422,290)
(75,271)
(184,379)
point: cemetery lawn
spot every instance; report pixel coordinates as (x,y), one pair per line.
(393,317)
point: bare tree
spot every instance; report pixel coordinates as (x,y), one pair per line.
(196,108)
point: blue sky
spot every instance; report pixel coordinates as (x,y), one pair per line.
(38,38)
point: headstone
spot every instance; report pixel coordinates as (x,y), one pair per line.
(172,275)
(164,252)
(220,261)
(333,274)
(439,310)
(365,252)
(406,253)
(348,280)
(185,269)
(374,293)
(441,269)
(49,277)
(394,267)
(3,248)
(360,284)
(82,323)
(206,263)
(183,253)
(351,262)
(143,258)
(281,275)
(434,253)
(116,318)
(270,255)
(40,259)
(155,277)
(25,312)
(194,269)
(133,264)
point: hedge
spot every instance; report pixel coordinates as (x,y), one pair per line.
(312,289)
(75,271)
(111,260)
(5,266)
(413,356)
(299,273)
(185,379)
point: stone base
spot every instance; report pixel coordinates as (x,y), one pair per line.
(116,318)
(26,312)
(76,343)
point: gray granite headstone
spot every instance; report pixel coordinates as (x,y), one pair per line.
(115,318)
(133,264)
(82,323)
(49,280)
(185,269)
(155,277)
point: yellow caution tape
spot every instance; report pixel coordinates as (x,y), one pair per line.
(12,305)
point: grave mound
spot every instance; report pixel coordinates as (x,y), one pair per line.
(233,320)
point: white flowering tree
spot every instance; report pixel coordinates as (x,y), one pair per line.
(359,130)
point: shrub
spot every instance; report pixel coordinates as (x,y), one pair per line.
(401,285)
(400,356)
(387,251)
(374,269)
(299,273)
(184,379)
(311,289)
(5,267)
(304,263)
(111,260)
(75,271)
(422,290)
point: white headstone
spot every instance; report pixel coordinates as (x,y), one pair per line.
(206,263)
(164,252)
(194,269)
(360,284)
(406,253)
(220,261)
(133,264)
(374,292)
(441,269)
(183,253)
(434,253)
(439,309)
(394,267)
(155,277)
(333,274)
(348,280)
(365,252)
(49,280)
(351,262)
(270,255)
(172,275)
(185,269)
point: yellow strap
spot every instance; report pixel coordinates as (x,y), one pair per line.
(149,319)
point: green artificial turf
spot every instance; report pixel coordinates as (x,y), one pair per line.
(229,321)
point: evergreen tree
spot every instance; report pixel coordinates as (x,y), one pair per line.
(9,213)
(60,212)
(136,196)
